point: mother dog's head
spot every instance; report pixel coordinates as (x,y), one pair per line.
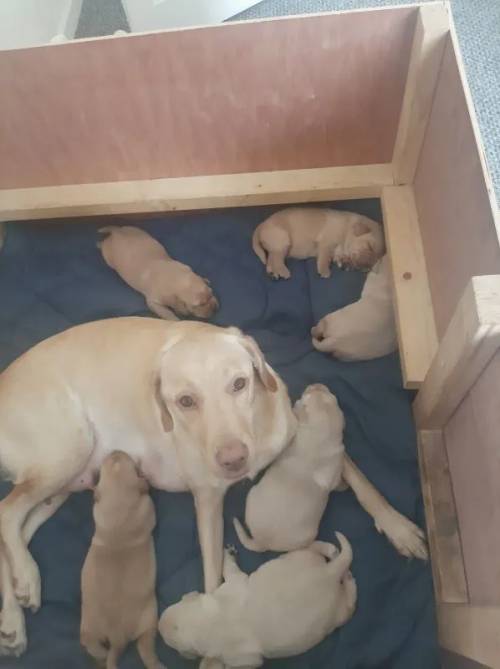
(228,411)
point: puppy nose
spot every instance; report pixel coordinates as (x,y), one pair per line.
(232,457)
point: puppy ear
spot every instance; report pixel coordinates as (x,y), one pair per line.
(360,228)
(202,296)
(166,418)
(180,306)
(264,372)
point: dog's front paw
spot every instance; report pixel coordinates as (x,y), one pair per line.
(27,584)
(405,536)
(12,630)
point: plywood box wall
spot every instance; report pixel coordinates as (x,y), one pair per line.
(369,103)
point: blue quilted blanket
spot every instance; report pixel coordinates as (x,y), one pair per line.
(52,276)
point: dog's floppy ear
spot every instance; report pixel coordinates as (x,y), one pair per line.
(263,370)
(166,418)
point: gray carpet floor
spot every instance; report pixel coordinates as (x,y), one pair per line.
(478,27)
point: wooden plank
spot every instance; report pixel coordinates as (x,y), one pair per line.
(225,190)
(472,443)
(472,631)
(442,527)
(425,62)
(454,194)
(300,93)
(471,339)
(414,315)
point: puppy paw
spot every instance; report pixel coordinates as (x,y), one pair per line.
(231,550)
(317,332)
(325,273)
(405,536)
(283,274)
(12,630)
(344,262)
(27,585)
(362,259)
(278,272)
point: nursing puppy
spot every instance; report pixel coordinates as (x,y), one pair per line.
(300,479)
(350,240)
(303,477)
(166,284)
(119,573)
(285,608)
(365,329)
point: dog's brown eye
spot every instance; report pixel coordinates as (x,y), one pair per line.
(186,401)
(239,384)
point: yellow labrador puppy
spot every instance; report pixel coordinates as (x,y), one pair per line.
(166,284)
(302,479)
(365,329)
(197,405)
(119,573)
(285,608)
(350,240)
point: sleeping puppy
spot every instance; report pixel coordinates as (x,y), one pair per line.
(365,329)
(166,284)
(350,240)
(303,477)
(300,479)
(250,618)
(119,573)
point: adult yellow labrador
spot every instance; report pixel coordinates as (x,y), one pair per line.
(196,405)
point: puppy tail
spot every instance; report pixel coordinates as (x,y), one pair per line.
(246,539)
(257,246)
(341,563)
